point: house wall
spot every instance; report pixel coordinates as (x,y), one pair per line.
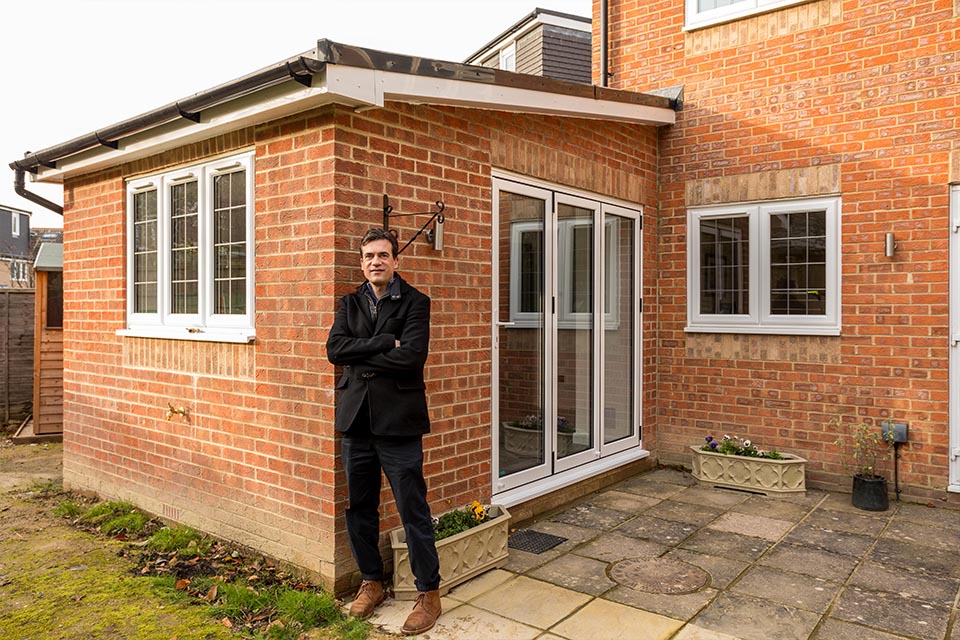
(849,97)
(255,457)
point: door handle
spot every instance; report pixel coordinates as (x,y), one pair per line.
(506,324)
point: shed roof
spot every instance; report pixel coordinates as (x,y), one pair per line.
(343,74)
(49,257)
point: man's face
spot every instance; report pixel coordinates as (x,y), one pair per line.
(377,262)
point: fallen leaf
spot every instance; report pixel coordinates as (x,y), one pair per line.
(211,594)
(181,584)
(226,622)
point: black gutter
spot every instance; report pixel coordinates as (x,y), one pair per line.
(604,26)
(300,68)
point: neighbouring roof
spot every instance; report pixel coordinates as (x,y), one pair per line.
(343,74)
(529,21)
(4,207)
(49,257)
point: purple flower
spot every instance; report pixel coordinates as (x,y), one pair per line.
(713,445)
(709,439)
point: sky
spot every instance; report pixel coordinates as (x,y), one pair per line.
(70,67)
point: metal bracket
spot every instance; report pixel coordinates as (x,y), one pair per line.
(388,211)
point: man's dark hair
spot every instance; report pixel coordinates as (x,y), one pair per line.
(379,234)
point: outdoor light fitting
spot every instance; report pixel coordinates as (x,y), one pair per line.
(889,245)
(434,235)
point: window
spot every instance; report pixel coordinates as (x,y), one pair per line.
(190,253)
(508,57)
(54,300)
(765,268)
(18,271)
(702,13)
(15,224)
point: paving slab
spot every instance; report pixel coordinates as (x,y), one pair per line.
(831,629)
(605,620)
(751,525)
(659,575)
(664,532)
(722,570)
(785,587)
(809,561)
(391,615)
(772,508)
(682,512)
(842,542)
(481,584)
(650,488)
(922,533)
(842,502)
(943,518)
(514,599)
(524,561)
(682,606)
(846,521)
(911,555)
(672,476)
(577,573)
(693,632)
(937,590)
(592,517)
(726,544)
(470,622)
(752,618)
(891,612)
(812,497)
(623,501)
(707,496)
(611,547)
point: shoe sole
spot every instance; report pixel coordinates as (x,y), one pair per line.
(418,631)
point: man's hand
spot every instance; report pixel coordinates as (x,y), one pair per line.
(397,345)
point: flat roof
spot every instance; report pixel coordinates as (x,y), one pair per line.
(343,74)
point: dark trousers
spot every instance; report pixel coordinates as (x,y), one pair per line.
(402,461)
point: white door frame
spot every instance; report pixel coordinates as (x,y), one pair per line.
(954,364)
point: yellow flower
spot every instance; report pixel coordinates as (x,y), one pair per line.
(479,513)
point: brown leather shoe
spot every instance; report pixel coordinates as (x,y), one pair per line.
(369,596)
(425,612)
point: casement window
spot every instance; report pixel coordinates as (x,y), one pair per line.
(18,271)
(190,252)
(15,224)
(508,57)
(702,13)
(765,268)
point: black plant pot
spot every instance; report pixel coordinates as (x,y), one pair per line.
(870,493)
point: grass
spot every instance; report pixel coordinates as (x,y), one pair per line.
(274,611)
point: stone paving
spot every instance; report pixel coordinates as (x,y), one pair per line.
(659,557)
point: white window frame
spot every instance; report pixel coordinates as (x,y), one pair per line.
(696,19)
(508,57)
(759,319)
(205,324)
(15,224)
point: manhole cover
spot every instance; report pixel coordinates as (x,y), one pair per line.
(659,575)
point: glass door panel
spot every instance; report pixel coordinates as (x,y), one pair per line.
(575,329)
(523,446)
(619,367)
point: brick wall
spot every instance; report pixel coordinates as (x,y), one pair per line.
(255,457)
(850,97)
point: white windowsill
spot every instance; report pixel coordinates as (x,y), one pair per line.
(240,336)
(566,478)
(767,330)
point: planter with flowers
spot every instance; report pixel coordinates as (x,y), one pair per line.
(736,463)
(525,436)
(470,541)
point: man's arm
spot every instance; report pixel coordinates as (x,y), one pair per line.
(414,339)
(343,348)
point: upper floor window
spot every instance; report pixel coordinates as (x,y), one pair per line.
(765,268)
(702,13)
(15,224)
(190,252)
(508,57)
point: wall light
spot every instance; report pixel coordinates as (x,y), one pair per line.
(889,245)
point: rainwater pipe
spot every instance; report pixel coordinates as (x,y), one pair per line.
(604,46)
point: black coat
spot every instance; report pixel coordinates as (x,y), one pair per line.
(389,377)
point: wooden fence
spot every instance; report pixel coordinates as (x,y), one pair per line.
(16,353)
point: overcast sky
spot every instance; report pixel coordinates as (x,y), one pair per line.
(69,67)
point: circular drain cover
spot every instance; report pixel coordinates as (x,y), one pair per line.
(659,575)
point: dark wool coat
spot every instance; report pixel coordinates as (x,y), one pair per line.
(390,378)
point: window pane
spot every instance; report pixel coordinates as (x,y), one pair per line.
(145,252)
(724,265)
(798,266)
(54,299)
(230,248)
(707,5)
(619,388)
(531,271)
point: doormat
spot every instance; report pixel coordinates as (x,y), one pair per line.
(533,541)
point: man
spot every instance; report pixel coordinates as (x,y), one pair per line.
(381,335)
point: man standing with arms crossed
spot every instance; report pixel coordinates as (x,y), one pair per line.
(381,336)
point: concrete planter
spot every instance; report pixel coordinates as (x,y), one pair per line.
(463,556)
(757,475)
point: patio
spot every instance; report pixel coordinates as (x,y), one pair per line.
(659,557)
